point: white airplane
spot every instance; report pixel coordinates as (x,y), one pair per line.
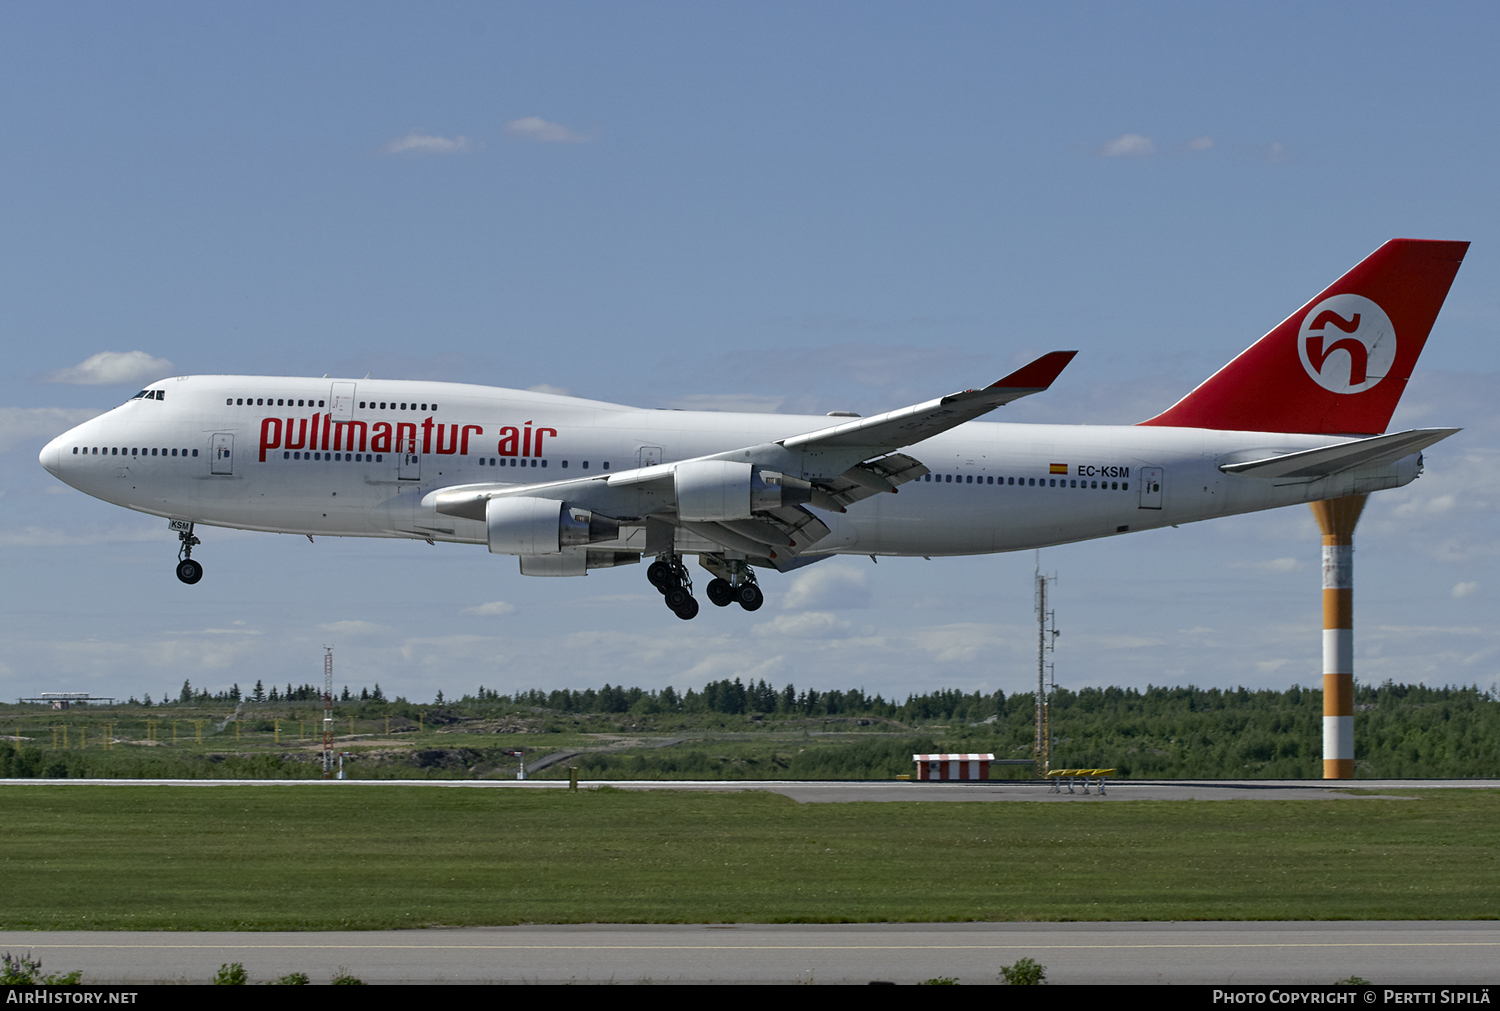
(1297,417)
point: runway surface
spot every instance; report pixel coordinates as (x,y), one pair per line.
(1116,953)
(885,790)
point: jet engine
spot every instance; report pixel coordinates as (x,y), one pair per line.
(710,491)
(543,526)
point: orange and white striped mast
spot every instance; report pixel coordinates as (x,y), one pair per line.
(1337,518)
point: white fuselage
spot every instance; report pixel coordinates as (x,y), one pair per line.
(263,453)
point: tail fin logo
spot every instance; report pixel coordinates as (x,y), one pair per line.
(1347,343)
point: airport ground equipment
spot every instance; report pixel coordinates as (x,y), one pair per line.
(1078,776)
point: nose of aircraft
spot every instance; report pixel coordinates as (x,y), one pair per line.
(51,455)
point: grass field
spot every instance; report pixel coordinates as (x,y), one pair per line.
(275,858)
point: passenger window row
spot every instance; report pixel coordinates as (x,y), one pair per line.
(1028,482)
(128,451)
(370,405)
(380,458)
(515,462)
(336,457)
(381,406)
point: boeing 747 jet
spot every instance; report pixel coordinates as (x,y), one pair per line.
(568,485)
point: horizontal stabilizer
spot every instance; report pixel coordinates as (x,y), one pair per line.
(1315,463)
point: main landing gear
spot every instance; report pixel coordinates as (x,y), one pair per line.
(733,583)
(188,570)
(670,576)
(746,593)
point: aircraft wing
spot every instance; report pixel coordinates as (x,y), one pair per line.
(842,464)
(1311,464)
(908,425)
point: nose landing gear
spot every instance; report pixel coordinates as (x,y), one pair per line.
(188,570)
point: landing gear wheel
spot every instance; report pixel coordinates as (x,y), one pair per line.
(720,593)
(749,596)
(688,611)
(188,570)
(660,575)
(677,598)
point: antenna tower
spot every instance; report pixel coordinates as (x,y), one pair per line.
(1046,642)
(327,712)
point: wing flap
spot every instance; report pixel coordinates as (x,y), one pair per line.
(889,472)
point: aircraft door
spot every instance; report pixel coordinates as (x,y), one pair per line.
(648,456)
(341,402)
(223,453)
(407,450)
(1150,481)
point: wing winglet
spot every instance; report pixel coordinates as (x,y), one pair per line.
(1037,375)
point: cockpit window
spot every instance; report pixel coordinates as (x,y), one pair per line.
(150,395)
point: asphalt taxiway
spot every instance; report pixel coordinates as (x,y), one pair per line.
(830,792)
(1436,953)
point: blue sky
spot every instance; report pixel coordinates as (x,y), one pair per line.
(795,207)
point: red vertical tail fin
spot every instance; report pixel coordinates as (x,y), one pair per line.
(1338,365)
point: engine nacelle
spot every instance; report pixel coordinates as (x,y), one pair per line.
(542,526)
(710,491)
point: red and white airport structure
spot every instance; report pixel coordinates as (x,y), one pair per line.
(970,766)
(1337,518)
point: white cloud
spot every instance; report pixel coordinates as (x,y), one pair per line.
(426,143)
(1449,511)
(1130,145)
(961,643)
(493,607)
(828,585)
(808,625)
(729,665)
(1275,151)
(173,655)
(351,628)
(1126,641)
(44,537)
(1462,590)
(110,367)
(537,128)
(735,403)
(1200,144)
(23,424)
(1437,504)
(1273,565)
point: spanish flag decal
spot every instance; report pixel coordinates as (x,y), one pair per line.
(1058,468)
